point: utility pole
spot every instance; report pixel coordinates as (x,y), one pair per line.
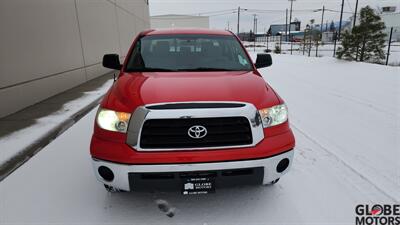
(286,34)
(322,18)
(304,40)
(254,29)
(322,24)
(309,31)
(238,21)
(290,24)
(355,14)
(340,22)
(256,25)
(334,45)
(390,41)
(310,45)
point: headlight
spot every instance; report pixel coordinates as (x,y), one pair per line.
(113,121)
(274,116)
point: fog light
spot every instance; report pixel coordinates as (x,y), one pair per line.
(121,126)
(282,165)
(106,173)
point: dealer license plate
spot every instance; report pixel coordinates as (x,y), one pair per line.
(198,185)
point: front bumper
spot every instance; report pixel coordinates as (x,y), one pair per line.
(121,172)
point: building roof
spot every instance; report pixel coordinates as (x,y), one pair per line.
(189,31)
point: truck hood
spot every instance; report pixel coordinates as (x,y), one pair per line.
(136,89)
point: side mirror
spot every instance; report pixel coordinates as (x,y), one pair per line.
(263,60)
(111,61)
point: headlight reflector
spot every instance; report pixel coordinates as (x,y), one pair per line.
(113,121)
(274,116)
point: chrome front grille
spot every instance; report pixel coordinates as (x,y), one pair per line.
(174,133)
(165,127)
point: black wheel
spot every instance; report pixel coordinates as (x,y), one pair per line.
(112,189)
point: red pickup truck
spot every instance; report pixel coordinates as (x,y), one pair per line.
(189,111)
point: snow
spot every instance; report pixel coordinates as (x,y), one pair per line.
(350,109)
(16,142)
(345,117)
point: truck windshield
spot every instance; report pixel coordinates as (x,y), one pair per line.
(188,53)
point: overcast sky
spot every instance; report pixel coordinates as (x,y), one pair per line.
(221,19)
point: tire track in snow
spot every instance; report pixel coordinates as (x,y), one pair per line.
(338,158)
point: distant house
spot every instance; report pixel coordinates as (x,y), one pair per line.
(274,29)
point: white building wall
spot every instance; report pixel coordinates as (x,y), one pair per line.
(49,46)
(179,21)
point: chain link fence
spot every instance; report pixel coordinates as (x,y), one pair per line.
(309,46)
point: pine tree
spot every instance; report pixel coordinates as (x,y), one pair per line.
(366,41)
(332,27)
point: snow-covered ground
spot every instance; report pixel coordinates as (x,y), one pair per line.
(16,142)
(350,109)
(345,117)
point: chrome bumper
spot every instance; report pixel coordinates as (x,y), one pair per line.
(121,171)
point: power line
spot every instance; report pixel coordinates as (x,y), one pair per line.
(279,10)
(210,12)
(221,14)
(338,11)
(189,17)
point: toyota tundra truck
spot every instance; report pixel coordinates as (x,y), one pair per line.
(189,111)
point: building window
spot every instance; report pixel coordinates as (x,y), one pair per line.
(389,9)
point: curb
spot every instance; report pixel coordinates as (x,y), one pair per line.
(27,153)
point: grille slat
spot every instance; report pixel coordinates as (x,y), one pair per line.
(173,133)
(188,122)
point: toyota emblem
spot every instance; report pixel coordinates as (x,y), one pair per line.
(197,132)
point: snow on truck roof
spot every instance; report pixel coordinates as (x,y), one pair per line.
(188,31)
